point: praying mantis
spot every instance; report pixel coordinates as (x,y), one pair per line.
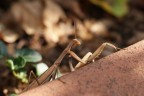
(88,58)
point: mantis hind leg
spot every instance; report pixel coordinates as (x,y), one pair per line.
(89,57)
(99,51)
(85,58)
(82,61)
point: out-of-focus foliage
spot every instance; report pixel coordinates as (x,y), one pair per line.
(29,55)
(117,8)
(21,74)
(13,94)
(41,68)
(58,74)
(17,63)
(3,49)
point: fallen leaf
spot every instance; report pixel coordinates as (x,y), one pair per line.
(9,36)
(82,31)
(28,14)
(97,27)
(52,13)
(57,25)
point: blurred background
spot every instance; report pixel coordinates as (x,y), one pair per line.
(47,26)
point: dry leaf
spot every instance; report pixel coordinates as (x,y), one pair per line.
(28,14)
(83,33)
(52,13)
(58,33)
(9,36)
(96,27)
(56,29)
(73,6)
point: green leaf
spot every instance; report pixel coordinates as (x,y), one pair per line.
(40,68)
(21,74)
(58,74)
(16,63)
(118,8)
(17,66)
(3,50)
(19,62)
(29,55)
(10,63)
(13,94)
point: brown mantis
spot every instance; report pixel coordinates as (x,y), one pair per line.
(89,57)
(42,79)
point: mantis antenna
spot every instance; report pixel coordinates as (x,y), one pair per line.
(75,29)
